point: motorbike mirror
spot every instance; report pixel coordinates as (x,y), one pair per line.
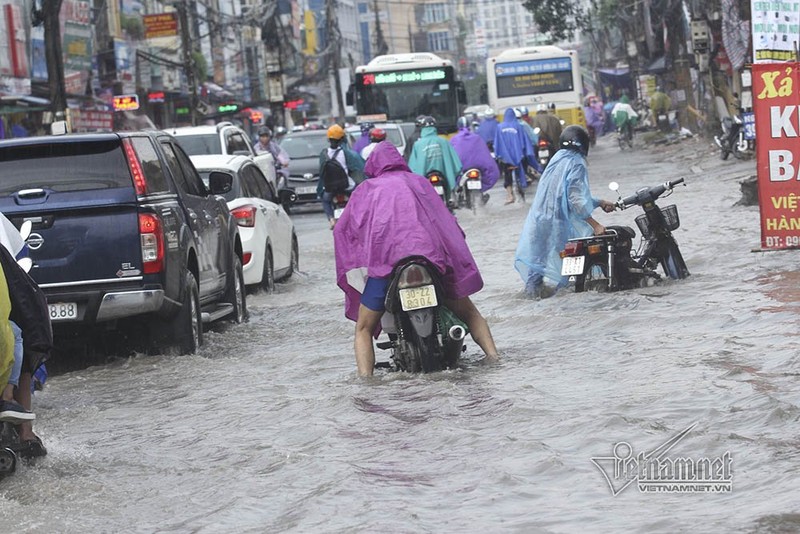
(614,186)
(537,130)
(25,264)
(25,229)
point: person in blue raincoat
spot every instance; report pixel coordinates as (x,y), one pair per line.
(433,153)
(474,154)
(512,147)
(561,210)
(488,127)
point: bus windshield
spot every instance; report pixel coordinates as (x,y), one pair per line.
(403,95)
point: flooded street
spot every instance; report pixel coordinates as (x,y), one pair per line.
(267,429)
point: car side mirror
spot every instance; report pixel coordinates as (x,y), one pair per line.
(220,183)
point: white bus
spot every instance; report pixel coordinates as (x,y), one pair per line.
(401,87)
(537,75)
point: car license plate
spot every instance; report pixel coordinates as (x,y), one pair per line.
(473,184)
(544,153)
(63,311)
(572,265)
(417,298)
(307,190)
(439,190)
(337,213)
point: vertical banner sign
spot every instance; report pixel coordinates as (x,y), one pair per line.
(776,30)
(776,91)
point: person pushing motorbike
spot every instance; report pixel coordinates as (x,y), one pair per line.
(393,215)
(562,209)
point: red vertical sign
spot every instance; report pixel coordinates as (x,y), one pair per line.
(776,102)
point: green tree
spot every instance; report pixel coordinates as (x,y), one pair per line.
(558,18)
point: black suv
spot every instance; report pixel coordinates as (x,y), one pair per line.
(125,233)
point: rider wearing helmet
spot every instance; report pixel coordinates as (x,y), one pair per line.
(267,145)
(419,123)
(280,131)
(549,125)
(433,153)
(363,141)
(474,154)
(561,210)
(488,128)
(376,135)
(352,163)
(513,149)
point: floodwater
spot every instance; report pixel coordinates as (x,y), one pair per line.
(268,430)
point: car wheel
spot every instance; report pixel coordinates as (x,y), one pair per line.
(295,260)
(236,295)
(268,276)
(187,326)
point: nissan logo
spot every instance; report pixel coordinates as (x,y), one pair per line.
(35,241)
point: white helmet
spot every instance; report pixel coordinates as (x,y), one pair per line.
(541,107)
(517,113)
(489,112)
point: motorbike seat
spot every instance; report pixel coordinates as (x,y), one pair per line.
(623,231)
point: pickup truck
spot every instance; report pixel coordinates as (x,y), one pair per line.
(125,234)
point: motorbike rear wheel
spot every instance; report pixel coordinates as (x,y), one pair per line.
(594,278)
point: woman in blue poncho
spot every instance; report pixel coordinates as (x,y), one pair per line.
(562,209)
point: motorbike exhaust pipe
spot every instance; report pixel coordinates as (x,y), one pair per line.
(457,333)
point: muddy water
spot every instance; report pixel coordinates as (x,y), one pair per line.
(268,430)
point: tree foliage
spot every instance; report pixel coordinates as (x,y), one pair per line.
(558,18)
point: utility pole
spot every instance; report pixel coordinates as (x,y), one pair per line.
(188,60)
(381,47)
(53,52)
(334,49)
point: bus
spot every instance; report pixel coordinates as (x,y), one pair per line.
(401,87)
(537,75)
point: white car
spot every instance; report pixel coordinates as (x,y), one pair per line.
(268,239)
(223,138)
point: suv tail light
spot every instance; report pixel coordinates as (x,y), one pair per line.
(152,239)
(245,216)
(139,181)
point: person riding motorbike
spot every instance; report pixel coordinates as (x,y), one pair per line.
(393,215)
(549,126)
(474,154)
(351,162)
(363,141)
(265,145)
(625,117)
(660,104)
(488,127)
(376,135)
(512,148)
(433,153)
(562,209)
(419,123)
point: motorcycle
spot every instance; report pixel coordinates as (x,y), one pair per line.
(544,149)
(625,136)
(606,262)
(424,335)
(733,140)
(437,180)
(339,202)
(469,189)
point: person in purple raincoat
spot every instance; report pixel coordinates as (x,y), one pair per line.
(363,141)
(512,146)
(388,218)
(474,154)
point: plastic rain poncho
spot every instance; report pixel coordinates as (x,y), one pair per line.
(361,142)
(487,129)
(432,153)
(512,145)
(559,211)
(473,153)
(394,215)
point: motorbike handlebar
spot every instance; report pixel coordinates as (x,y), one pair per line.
(646,194)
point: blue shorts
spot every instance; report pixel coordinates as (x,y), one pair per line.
(374,295)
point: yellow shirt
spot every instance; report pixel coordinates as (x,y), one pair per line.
(6,335)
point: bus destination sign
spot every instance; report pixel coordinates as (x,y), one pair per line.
(404,76)
(534,77)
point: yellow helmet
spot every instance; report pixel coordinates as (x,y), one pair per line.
(336,132)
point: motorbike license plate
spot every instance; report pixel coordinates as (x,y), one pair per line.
(337,213)
(63,311)
(473,184)
(572,265)
(544,153)
(439,189)
(417,298)
(307,190)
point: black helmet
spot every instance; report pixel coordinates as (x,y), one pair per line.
(427,120)
(420,120)
(463,122)
(264,130)
(575,138)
